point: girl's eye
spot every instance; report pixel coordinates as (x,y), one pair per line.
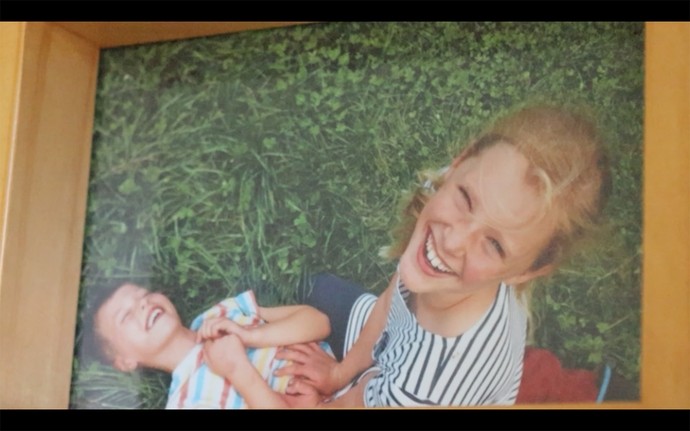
(496,246)
(465,200)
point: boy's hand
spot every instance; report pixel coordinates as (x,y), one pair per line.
(314,366)
(217,327)
(226,356)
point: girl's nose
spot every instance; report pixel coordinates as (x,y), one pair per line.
(457,238)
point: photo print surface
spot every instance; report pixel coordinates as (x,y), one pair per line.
(254,160)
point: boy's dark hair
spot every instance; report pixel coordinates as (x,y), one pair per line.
(92,345)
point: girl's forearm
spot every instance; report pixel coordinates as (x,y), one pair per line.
(350,399)
(359,358)
(301,324)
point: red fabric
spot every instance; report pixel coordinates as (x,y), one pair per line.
(544,380)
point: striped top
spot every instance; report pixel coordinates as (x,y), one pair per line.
(482,366)
(194,385)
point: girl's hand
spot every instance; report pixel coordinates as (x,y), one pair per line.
(311,366)
(217,327)
(226,356)
(301,395)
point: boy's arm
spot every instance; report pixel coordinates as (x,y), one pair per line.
(256,392)
(323,372)
(226,356)
(289,325)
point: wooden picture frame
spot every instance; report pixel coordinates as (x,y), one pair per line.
(47,89)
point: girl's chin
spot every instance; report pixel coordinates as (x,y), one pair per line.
(415,279)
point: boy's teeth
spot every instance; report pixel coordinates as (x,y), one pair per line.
(433,258)
(152,318)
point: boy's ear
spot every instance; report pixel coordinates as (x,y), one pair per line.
(529,275)
(125,364)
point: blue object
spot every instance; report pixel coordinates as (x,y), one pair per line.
(604,384)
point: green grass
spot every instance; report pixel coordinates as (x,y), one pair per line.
(254,159)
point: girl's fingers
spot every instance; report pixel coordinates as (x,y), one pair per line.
(299,372)
(288,370)
(311,348)
(300,387)
(304,349)
(293,355)
(306,374)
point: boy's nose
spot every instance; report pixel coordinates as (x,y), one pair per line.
(143,303)
(143,310)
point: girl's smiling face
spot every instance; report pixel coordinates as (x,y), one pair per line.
(486,224)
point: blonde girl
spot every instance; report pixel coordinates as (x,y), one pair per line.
(450,328)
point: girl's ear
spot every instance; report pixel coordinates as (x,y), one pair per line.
(529,275)
(125,364)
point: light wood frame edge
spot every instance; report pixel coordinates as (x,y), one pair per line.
(47,88)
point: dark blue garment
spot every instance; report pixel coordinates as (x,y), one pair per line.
(334,297)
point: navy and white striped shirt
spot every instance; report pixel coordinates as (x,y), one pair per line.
(482,366)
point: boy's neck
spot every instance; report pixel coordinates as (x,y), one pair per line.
(178,348)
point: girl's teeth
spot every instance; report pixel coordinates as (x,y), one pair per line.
(433,258)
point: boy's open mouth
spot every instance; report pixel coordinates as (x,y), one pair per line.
(432,258)
(155,313)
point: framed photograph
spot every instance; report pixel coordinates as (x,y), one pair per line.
(204,167)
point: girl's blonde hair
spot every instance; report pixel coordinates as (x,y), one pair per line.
(568,166)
